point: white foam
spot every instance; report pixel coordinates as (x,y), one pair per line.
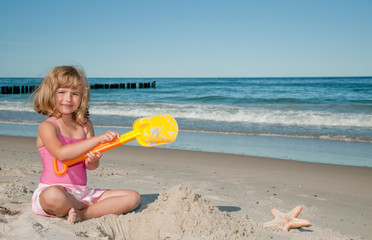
(16,106)
(221,113)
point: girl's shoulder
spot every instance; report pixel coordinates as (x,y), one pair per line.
(88,124)
(48,125)
(46,130)
(49,122)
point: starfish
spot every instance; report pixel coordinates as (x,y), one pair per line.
(287,221)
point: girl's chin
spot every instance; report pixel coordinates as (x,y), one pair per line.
(66,111)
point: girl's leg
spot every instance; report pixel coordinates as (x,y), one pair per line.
(57,201)
(113,202)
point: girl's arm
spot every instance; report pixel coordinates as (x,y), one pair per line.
(48,134)
(92,162)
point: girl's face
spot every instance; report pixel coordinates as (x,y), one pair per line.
(68,100)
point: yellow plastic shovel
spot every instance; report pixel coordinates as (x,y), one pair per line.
(149,132)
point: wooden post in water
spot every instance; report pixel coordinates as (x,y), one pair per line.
(32,88)
(114,85)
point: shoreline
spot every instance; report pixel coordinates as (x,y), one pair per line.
(336,199)
(289,148)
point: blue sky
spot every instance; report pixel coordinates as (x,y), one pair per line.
(194,38)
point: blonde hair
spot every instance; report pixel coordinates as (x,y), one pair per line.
(62,77)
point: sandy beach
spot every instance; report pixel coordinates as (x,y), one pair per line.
(193,195)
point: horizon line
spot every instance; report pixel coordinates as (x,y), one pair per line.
(356,76)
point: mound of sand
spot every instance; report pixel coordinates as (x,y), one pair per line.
(179,213)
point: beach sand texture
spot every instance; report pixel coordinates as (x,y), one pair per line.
(193,195)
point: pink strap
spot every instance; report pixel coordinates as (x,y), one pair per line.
(55,122)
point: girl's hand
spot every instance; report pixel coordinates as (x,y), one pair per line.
(108,136)
(92,161)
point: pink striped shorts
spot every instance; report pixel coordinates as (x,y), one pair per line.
(81,193)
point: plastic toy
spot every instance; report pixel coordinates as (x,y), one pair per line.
(149,132)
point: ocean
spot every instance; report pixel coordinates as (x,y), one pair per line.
(322,119)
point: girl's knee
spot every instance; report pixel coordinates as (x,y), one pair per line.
(136,198)
(133,198)
(53,199)
(52,194)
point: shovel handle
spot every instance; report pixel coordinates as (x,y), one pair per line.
(102,147)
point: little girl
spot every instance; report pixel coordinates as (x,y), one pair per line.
(63,96)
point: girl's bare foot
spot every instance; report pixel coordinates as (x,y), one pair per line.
(74,215)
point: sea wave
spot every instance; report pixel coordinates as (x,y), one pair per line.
(16,106)
(221,113)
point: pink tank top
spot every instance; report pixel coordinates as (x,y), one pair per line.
(76,174)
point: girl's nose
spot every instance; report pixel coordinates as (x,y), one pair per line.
(67,97)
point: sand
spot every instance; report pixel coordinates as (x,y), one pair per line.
(193,195)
